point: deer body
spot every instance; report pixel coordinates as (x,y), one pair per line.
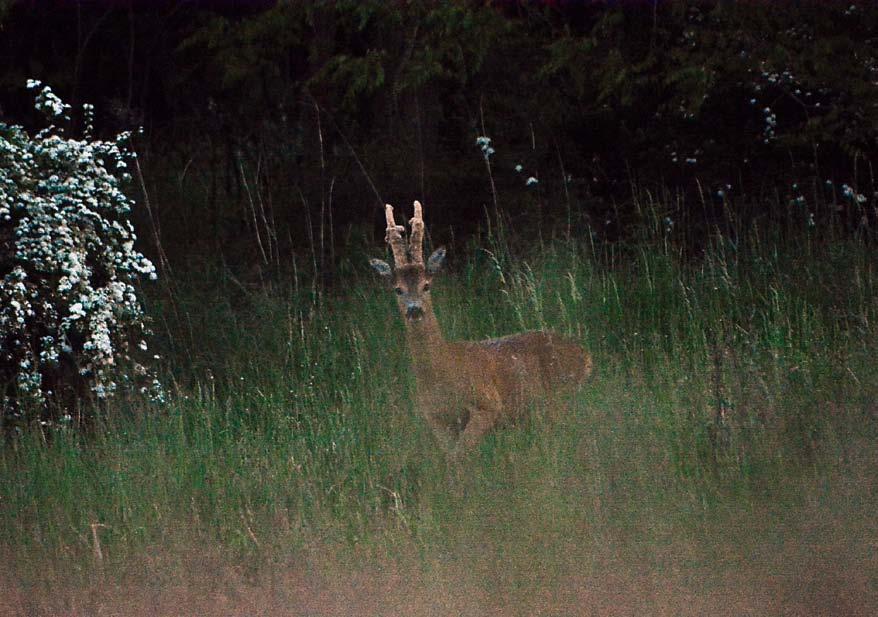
(468,388)
(464,389)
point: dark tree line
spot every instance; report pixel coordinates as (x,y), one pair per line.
(281,128)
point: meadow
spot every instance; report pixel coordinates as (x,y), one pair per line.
(722,460)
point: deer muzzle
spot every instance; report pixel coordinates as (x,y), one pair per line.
(414,311)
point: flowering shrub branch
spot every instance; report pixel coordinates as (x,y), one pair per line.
(70,317)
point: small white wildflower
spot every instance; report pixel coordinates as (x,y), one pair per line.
(76,310)
(485,144)
(531,181)
(518,168)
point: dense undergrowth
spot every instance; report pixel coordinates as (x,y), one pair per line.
(733,402)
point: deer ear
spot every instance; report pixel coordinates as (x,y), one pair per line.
(381,267)
(435,261)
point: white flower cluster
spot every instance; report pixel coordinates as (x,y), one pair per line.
(770,125)
(68,305)
(775,84)
(852,195)
(484,143)
(46,101)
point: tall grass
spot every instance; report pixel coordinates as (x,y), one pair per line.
(732,392)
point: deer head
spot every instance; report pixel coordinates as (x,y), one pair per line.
(410,278)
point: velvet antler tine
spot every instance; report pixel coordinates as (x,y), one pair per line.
(416,242)
(393,237)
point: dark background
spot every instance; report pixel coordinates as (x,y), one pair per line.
(278,129)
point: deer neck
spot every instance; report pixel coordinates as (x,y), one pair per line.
(427,347)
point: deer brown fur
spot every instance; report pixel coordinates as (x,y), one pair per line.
(467,388)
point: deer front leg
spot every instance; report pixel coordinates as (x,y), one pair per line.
(481,421)
(483,417)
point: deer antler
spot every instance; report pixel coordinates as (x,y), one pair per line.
(416,242)
(393,237)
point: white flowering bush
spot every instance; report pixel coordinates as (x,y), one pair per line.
(70,318)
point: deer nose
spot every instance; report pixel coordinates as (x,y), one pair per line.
(414,311)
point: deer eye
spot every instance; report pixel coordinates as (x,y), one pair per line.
(398,290)
(426,286)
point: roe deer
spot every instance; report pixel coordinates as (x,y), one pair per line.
(466,388)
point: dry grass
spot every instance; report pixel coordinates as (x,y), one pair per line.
(819,562)
(825,586)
